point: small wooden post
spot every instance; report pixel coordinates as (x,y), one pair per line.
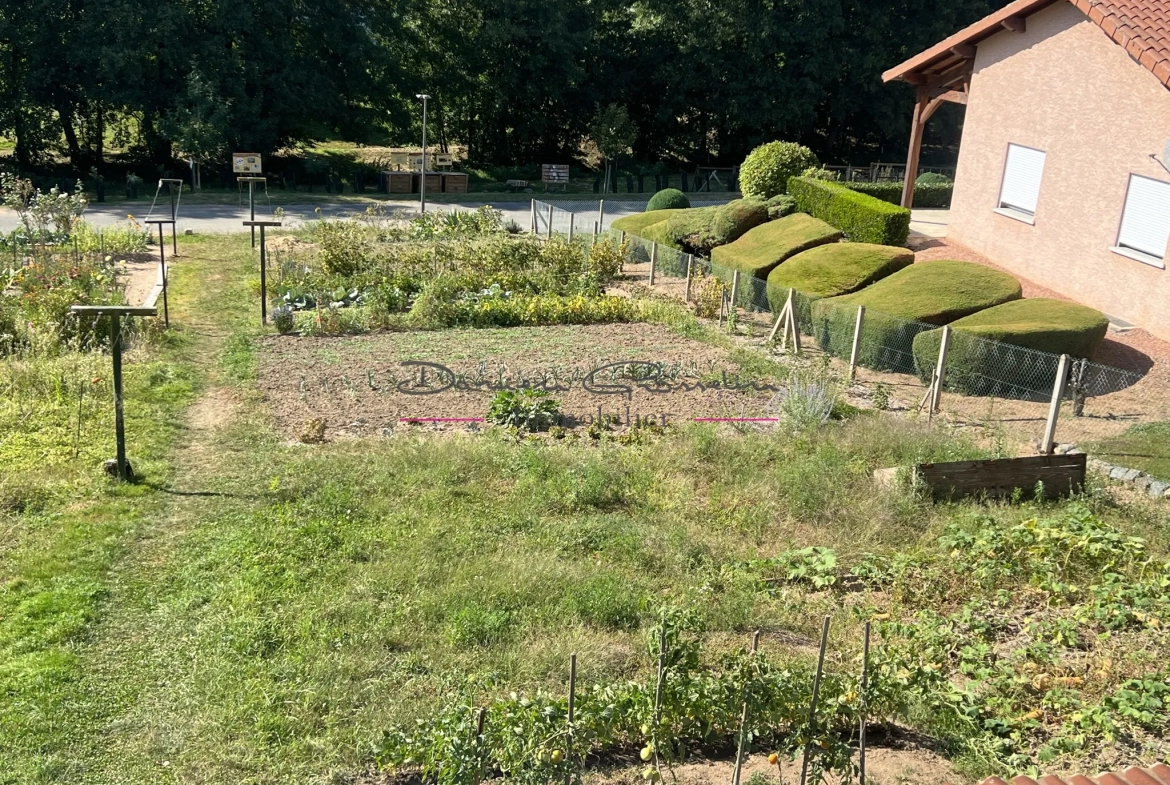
(596,230)
(941,369)
(690,272)
(549,227)
(812,708)
(571,217)
(864,704)
(853,354)
(658,690)
(742,746)
(601,212)
(734,295)
(653,260)
(622,237)
(532,211)
(572,715)
(479,718)
(1058,385)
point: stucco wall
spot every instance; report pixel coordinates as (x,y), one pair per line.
(1064,87)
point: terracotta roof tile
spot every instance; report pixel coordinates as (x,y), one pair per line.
(1158,774)
(1141,27)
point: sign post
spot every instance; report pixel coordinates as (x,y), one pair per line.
(249,165)
(116,312)
(263,266)
(555,174)
(172,184)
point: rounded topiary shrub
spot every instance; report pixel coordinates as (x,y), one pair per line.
(668,199)
(933,178)
(1012,350)
(766,170)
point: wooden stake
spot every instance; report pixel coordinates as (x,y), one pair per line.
(1058,385)
(853,354)
(864,706)
(601,213)
(532,210)
(653,260)
(571,217)
(941,369)
(658,694)
(479,716)
(690,272)
(812,708)
(739,753)
(119,424)
(549,227)
(734,294)
(572,704)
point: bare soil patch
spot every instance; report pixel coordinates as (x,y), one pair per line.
(367,386)
(138,273)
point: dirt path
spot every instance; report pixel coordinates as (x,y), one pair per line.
(138,273)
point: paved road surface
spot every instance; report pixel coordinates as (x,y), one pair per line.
(219,218)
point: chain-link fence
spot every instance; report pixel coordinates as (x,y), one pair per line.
(1001,390)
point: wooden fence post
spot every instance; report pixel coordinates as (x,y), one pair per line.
(653,260)
(690,271)
(856,342)
(741,747)
(734,295)
(1054,408)
(532,210)
(601,213)
(941,368)
(548,235)
(571,217)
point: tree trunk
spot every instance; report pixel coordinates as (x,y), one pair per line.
(65,114)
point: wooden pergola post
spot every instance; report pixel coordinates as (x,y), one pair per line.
(917,126)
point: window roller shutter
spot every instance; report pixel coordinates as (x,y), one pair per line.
(1145,224)
(1021,178)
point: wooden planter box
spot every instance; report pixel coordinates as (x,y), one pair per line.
(454,183)
(399,182)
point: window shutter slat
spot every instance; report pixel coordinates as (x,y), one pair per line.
(1145,223)
(1021,179)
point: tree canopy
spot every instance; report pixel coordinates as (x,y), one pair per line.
(516,81)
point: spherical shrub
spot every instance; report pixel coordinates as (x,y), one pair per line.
(668,199)
(766,170)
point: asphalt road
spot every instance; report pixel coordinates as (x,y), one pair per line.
(222,219)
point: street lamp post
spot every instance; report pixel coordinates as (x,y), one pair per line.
(422,182)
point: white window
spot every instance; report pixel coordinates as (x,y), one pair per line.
(1021,181)
(1145,221)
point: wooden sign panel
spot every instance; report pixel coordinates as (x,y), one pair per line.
(246,163)
(1059,474)
(554,173)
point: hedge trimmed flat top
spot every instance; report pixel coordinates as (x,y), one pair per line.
(759,251)
(1041,323)
(839,268)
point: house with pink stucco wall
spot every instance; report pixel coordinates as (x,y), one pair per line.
(1062,174)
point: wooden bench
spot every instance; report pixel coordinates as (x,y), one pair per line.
(517,185)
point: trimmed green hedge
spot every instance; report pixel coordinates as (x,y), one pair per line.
(926,195)
(831,271)
(863,219)
(764,247)
(905,304)
(668,199)
(634,224)
(700,229)
(1012,350)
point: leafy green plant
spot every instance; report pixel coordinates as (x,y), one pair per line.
(668,199)
(804,401)
(767,169)
(527,409)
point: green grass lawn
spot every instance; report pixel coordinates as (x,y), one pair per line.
(1145,447)
(257,611)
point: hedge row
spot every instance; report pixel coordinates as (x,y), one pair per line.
(863,218)
(831,271)
(758,251)
(926,195)
(905,304)
(1011,350)
(697,229)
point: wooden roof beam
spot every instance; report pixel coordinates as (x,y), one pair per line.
(1016,24)
(964,50)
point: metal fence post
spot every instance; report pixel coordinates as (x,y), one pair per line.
(690,269)
(548,235)
(653,260)
(601,212)
(532,210)
(941,368)
(571,217)
(856,342)
(1054,408)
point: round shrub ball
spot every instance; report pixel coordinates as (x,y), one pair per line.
(933,178)
(668,199)
(766,170)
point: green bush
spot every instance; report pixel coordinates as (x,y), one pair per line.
(862,218)
(700,229)
(907,303)
(761,249)
(668,199)
(831,271)
(932,178)
(767,169)
(1012,350)
(637,223)
(926,195)
(780,206)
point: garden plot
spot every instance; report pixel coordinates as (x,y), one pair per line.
(360,386)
